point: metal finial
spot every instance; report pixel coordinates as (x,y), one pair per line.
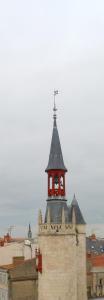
(54,108)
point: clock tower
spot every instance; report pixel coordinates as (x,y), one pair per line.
(61,234)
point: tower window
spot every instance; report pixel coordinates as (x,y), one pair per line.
(61,182)
(56,182)
(50,182)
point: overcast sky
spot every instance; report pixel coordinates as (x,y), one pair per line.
(45,45)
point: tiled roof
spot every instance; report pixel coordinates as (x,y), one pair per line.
(55,157)
(17,263)
(95,246)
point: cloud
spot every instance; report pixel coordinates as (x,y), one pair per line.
(45,47)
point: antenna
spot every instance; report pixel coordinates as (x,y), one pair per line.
(10,229)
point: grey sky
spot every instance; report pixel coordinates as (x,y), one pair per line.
(46,45)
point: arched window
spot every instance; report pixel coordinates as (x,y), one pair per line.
(50,182)
(62,182)
(56,182)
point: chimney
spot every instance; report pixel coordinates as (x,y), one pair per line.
(18,260)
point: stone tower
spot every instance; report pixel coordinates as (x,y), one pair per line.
(61,235)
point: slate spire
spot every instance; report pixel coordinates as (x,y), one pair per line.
(78,213)
(29,232)
(56,161)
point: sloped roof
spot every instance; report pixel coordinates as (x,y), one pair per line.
(55,207)
(55,157)
(95,246)
(78,214)
(17,263)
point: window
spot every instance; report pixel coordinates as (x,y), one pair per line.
(100,281)
(61,182)
(56,182)
(50,182)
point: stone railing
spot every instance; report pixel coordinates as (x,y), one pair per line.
(56,229)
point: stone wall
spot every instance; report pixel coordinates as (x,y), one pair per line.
(81,263)
(23,281)
(58,278)
(24,290)
(63,248)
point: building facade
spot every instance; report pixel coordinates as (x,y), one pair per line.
(61,237)
(3,285)
(95,266)
(19,280)
(13,248)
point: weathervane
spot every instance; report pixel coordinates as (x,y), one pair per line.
(54,108)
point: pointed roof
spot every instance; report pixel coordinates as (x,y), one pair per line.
(55,157)
(29,232)
(78,214)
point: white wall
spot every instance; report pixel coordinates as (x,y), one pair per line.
(8,251)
